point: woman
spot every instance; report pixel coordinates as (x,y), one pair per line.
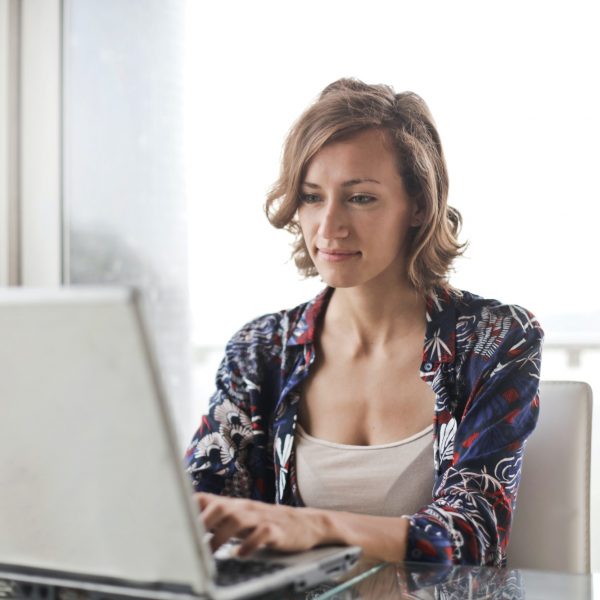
(322,415)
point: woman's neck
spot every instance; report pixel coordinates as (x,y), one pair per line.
(369,319)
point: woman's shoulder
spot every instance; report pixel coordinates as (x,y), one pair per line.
(489,322)
(277,329)
(478,309)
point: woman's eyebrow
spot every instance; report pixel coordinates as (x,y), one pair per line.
(348,183)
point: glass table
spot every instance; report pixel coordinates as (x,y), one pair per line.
(381,581)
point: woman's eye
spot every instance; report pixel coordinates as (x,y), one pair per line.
(362,199)
(309,198)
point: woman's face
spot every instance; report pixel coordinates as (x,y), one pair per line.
(355,213)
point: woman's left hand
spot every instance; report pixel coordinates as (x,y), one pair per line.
(259,524)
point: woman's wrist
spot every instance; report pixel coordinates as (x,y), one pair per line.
(325,525)
(382,538)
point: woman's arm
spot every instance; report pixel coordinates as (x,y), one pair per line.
(218,450)
(292,529)
(481,444)
(228,453)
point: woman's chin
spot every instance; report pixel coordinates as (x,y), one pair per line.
(336,280)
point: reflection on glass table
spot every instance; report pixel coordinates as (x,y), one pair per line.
(419,581)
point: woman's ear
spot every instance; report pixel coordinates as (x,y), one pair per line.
(418,215)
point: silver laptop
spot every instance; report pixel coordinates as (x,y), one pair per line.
(93,493)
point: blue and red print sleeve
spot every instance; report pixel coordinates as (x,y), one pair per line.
(228,453)
(480,443)
(215,457)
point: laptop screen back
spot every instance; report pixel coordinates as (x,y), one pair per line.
(88,482)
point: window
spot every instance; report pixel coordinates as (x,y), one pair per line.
(125,216)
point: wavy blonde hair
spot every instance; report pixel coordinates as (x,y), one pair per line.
(344,108)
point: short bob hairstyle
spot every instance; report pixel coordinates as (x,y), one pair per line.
(344,108)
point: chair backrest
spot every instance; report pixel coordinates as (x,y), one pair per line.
(551,526)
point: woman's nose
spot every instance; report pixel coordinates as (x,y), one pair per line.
(333,222)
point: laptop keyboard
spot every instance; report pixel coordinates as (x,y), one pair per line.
(231,570)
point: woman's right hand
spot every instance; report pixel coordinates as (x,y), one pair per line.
(258,524)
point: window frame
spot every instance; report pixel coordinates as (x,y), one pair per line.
(9,138)
(31,203)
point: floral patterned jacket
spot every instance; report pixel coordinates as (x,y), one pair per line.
(482,360)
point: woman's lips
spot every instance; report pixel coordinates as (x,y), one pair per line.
(336,255)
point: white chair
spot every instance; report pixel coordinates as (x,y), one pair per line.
(551,525)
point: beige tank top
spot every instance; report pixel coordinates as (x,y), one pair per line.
(388,480)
